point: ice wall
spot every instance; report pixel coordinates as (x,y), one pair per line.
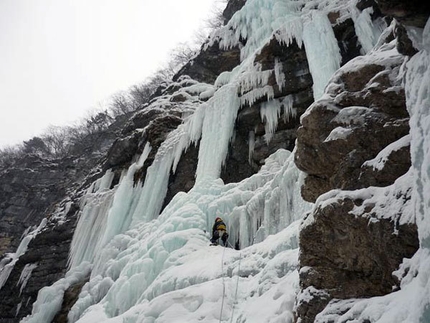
(152,267)
(418,102)
(105,212)
(217,130)
(304,22)
(157,260)
(367,31)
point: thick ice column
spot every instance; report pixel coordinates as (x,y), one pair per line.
(154,190)
(418,102)
(105,213)
(367,31)
(124,202)
(91,227)
(321,48)
(218,124)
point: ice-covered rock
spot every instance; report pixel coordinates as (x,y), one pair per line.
(362,112)
(221,142)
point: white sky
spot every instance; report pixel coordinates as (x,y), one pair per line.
(59,58)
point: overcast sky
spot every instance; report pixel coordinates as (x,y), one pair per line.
(59,58)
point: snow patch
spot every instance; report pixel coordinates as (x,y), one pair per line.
(338,133)
(379,161)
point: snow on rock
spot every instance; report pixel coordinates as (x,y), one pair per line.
(379,161)
(8,262)
(147,264)
(411,302)
(352,243)
(337,135)
(378,202)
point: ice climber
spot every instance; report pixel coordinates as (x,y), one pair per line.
(219,231)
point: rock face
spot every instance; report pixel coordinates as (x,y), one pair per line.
(48,254)
(231,8)
(21,205)
(211,62)
(33,189)
(411,13)
(356,139)
(365,113)
(345,255)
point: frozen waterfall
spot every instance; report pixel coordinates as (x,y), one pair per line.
(148,265)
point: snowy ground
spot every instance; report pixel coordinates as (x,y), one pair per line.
(212,284)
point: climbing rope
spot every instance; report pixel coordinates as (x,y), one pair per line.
(237,287)
(223,284)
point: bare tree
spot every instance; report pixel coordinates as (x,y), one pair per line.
(216,19)
(56,140)
(182,53)
(35,145)
(210,24)
(9,154)
(120,103)
(141,93)
(59,141)
(98,121)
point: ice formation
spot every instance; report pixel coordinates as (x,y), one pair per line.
(105,213)
(9,261)
(321,49)
(50,298)
(217,130)
(271,112)
(303,22)
(147,267)
(25,276)
(149,258)
(141,273)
